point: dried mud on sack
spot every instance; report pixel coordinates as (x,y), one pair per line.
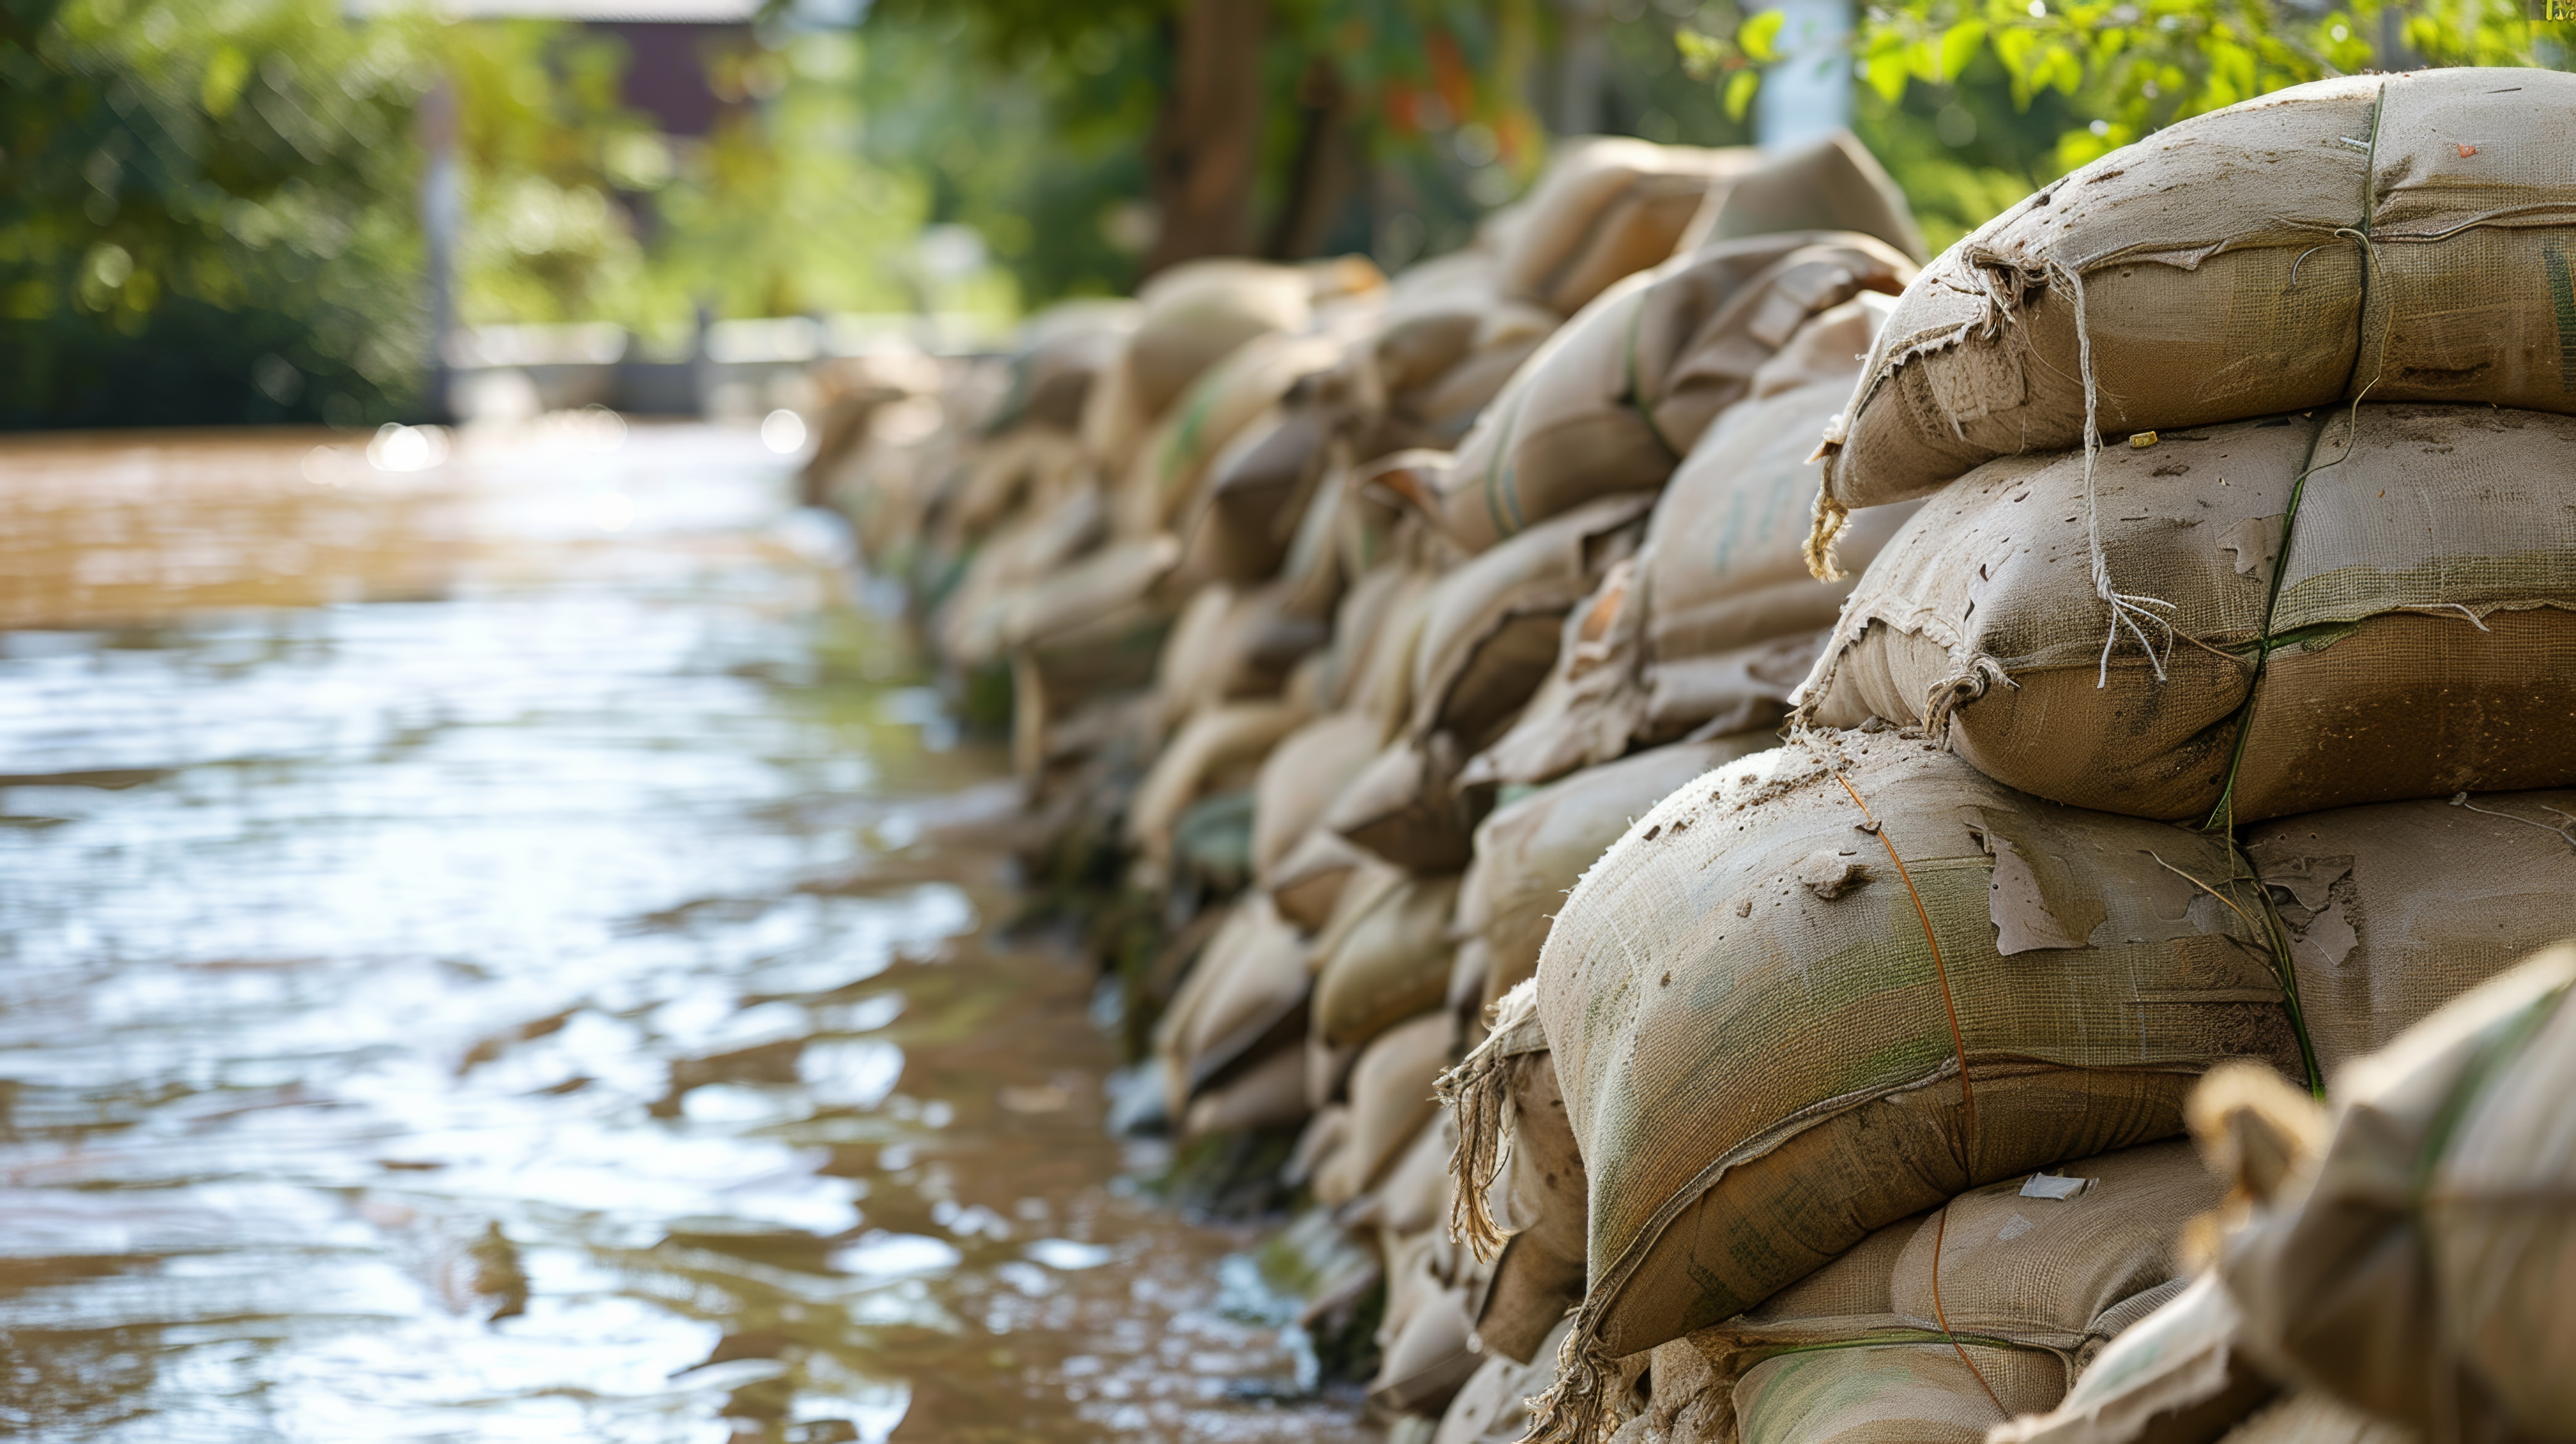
(1613,401)
(2395,236)
(1839,983)
(2353,605)
(1713,626)
(2395,1268)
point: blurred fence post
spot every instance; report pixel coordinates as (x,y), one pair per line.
(1808,94)
(442,216)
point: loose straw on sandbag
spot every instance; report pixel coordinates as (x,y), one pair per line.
(1478,1093)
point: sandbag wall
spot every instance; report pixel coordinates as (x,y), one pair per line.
(2210,711)
(2150,706)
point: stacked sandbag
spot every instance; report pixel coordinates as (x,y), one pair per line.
(2392,1270)
(1613,401)
(1716,622)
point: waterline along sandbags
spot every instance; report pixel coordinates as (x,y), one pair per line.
(2403,624)
(1763,1059)
(2399,235)
(1614,400)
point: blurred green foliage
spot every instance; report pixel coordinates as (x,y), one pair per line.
(2019,92)
(200,208)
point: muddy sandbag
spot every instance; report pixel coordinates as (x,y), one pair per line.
(1530,852)
(1618,397)
(1219,750)
(2425,1267)
(1606,207)
(1300,778)
(1492,1407)
(1406,806)
(1389,964)
(2380,234)
(2392,910)
(2418,639)
(1830,184)
(1756,1043)
(1489,633)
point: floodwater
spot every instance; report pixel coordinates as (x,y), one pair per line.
(500,950)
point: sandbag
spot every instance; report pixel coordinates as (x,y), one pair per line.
(2418,640)
(1757,1047)
(2180,1375)
(1251,983)
(1240,525)
(1390,1097)
(1537,1196)
(1389,964)
(1268,1093)
(1103,586)
(2312,1418)
(1161,486)
(1309,882)
(2392,910)
(1216,751)
(1830,184)
(1530,852)
(2425,1269)
(2388,234)
(1615,399)
(1933,1393)
(1407,807)
(1489,633)
(1301,777)
(1493,1406)
(1608,206)
(1199,312)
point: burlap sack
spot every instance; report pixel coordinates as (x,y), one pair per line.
(1607,207)
(1246,995)
(1242,521)
(2425,1268)
(2393,910)
(1537,1196)
(1063,350)
(1389,964)
(1308,883)
(1757,1046)
(2312,1418)
(1530,852)
(1300,778)
(1830,184)
(1493,1406)
(1198,313)
(1615,399)
(968,626)
(2179,1375)
(1390,1095)
(1407,807)
(1893,1394)
(2391,234)
(1161,487)
(1109,584)
(2417,641)
(1268,1092)
(1219,750)
(1489,633)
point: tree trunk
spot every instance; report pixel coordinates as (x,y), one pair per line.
(1207,143)
(1319,177)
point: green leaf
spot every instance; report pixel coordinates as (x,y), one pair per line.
(1739,92)
(1760,34)
(1959,45)
(221,85)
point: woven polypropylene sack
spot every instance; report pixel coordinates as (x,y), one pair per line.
(1892,1394)
(2427,1272)
(1608,206)
(1756,1043)
(2419,639)
(1613,401)
(1390,964)
(2396,234)
(2392,910)
(1531,852)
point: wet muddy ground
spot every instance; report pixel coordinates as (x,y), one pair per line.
(504,950)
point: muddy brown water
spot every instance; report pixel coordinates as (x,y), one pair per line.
(503,951)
